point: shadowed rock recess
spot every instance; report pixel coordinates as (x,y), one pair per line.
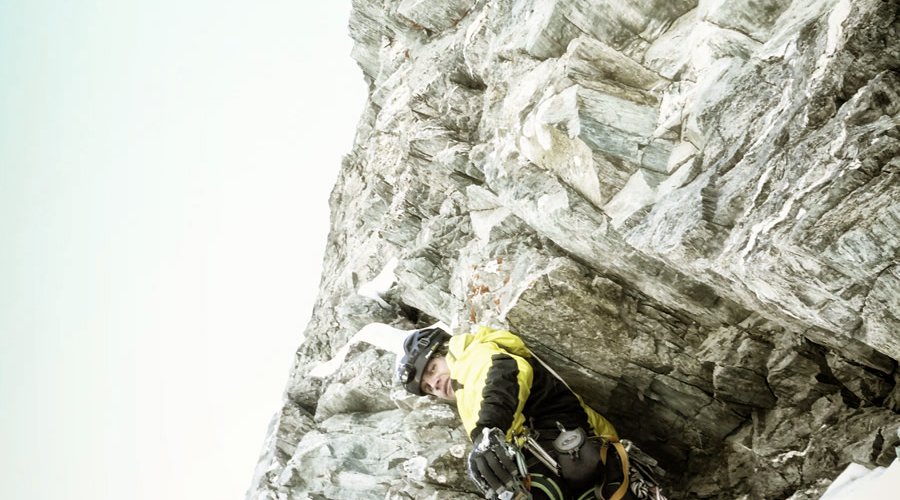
(689,209)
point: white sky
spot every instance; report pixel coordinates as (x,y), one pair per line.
(164,174)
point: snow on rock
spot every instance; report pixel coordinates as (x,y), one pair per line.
(378,335)
(687,208)
(858,481)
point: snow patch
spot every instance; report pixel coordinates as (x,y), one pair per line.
(784,457)
(857,482)
(483,221)
(378,287)
(379,335)
(635,195)
(835,20)
(681,153)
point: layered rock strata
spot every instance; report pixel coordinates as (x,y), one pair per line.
(688,208)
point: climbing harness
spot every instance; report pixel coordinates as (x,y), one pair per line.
(636,475)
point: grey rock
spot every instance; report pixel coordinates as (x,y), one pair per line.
(434,15)
(688,209)
(866,384)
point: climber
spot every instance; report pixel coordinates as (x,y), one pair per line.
(508,399)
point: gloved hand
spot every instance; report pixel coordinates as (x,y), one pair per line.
(497,467)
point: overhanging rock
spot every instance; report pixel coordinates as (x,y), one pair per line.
(689,209)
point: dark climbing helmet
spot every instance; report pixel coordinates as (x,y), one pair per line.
(419,347)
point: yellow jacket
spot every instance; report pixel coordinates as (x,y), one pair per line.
(500,384)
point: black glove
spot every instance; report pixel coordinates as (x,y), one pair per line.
(497,467)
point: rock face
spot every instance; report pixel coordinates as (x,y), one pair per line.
(690,209)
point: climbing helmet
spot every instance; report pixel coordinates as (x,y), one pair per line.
(419,347)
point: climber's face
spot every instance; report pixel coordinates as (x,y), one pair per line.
(436,379)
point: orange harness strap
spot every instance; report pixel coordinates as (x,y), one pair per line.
(623,459)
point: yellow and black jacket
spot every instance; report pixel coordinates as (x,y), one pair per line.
(500,384)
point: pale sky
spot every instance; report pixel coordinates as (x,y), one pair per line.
(164,175)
